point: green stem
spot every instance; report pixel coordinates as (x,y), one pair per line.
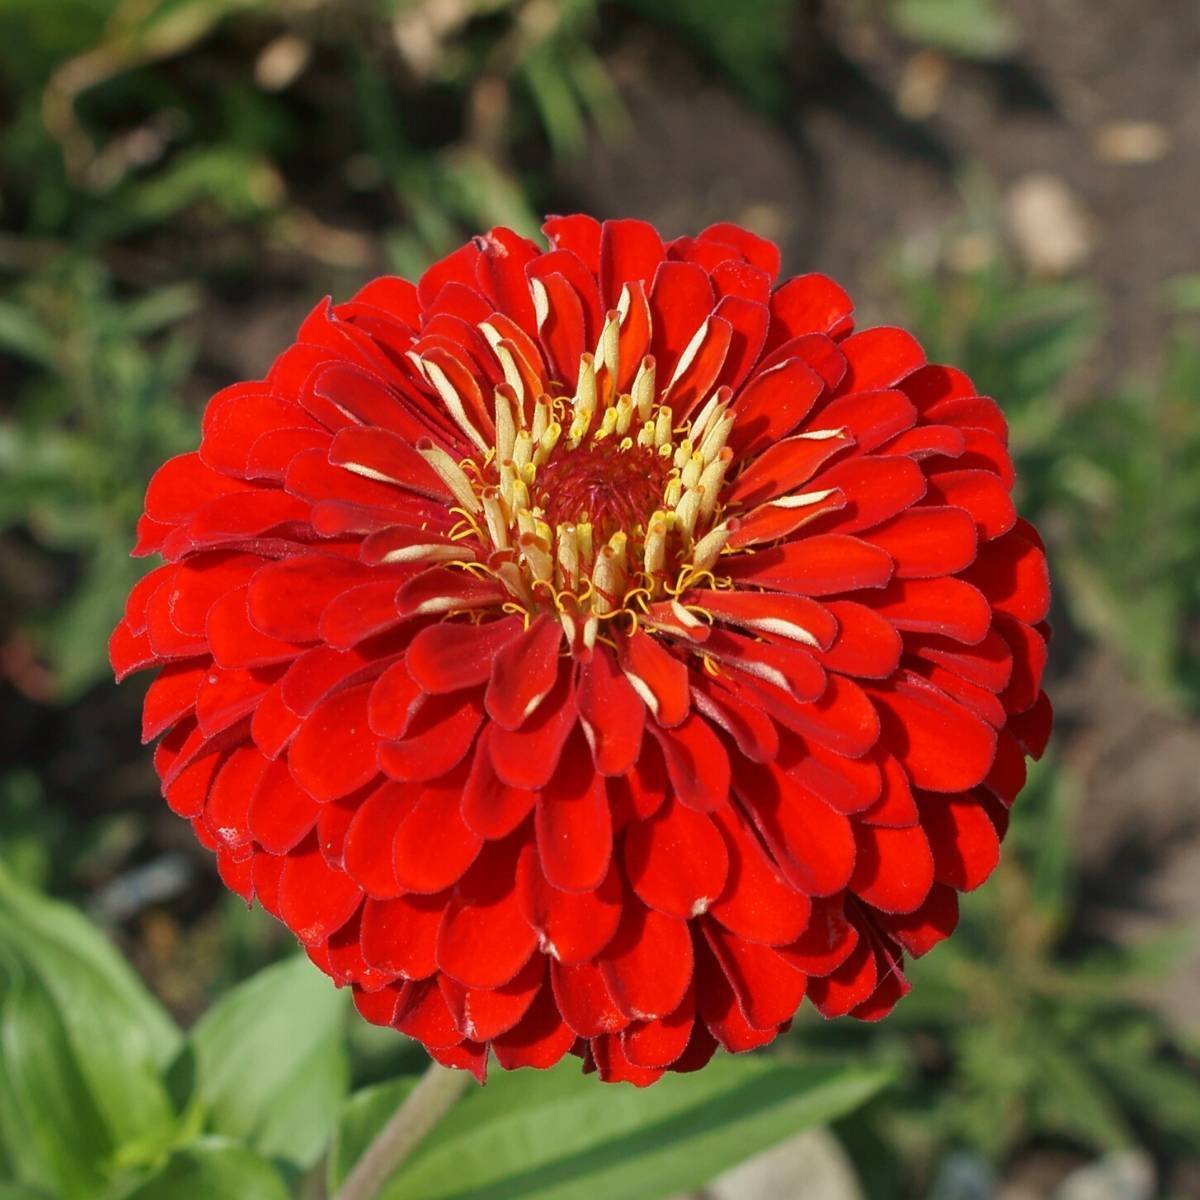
(421,1110)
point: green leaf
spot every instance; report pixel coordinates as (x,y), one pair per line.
(971,28)
(270,1061)
(82,1046)
(558,1135)
(211,1169)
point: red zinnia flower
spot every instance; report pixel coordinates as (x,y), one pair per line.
(597,649)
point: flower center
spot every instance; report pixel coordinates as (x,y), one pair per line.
(599,502)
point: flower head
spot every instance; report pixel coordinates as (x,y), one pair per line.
(597,649)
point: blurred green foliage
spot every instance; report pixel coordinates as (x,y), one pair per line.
(1108,466)
(102,1098)
(1012,1032)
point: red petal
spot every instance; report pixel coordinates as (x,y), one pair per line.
(990,664)
(500,270)
(870,418)
(925,541)
(660,1042)
(359,613)
(981,494)
(483,940)
(314,899)
(1028,661)
(524,672)
(448,657)
(171,696)
(636,795)
(874,489)
(571,926)
(334,753)
(813,845)
(584,999)
(747,318)
(880,358)
(719,1009)
(948,607)
(538,1040)
(437,740)
(443,590)
(896,806)
(281,812)
(943,747)
(491,808)
(225,697)
(527,757)
(226,812)
(629,249)
(794,617)
(835,994)
(785,665)
(183,485)
(424,1014)
(681,298)
(369,848)
(380,1007)
(697,763)
(757,903)
(756,735)
(573,823)
(200,581)
(963,840)
(807,304)
(564,336)
(816,566)
(782,467)
(400,935)
(844,720)
(466,1056)
(485,1013)
(867,644)
(433,846)
(772,404)
(394,700)
(849,785)
(768,988)
(893,870)
(614,1066)
(828,941)
(923,928)
(890,988)
(698,367)
(1012,573)
(187,793)
(236,643)
(756,250)
(1032,727)
(657,675)
(286,598)
(578,233)
(648,964)
(676,862)
(610,712)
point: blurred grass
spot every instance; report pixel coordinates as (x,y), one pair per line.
(171,168)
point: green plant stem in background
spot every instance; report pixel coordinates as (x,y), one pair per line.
(421,1110)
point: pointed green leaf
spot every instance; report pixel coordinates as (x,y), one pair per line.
(558,1135)
(270,1061)
(82,1047)
(211,1169)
